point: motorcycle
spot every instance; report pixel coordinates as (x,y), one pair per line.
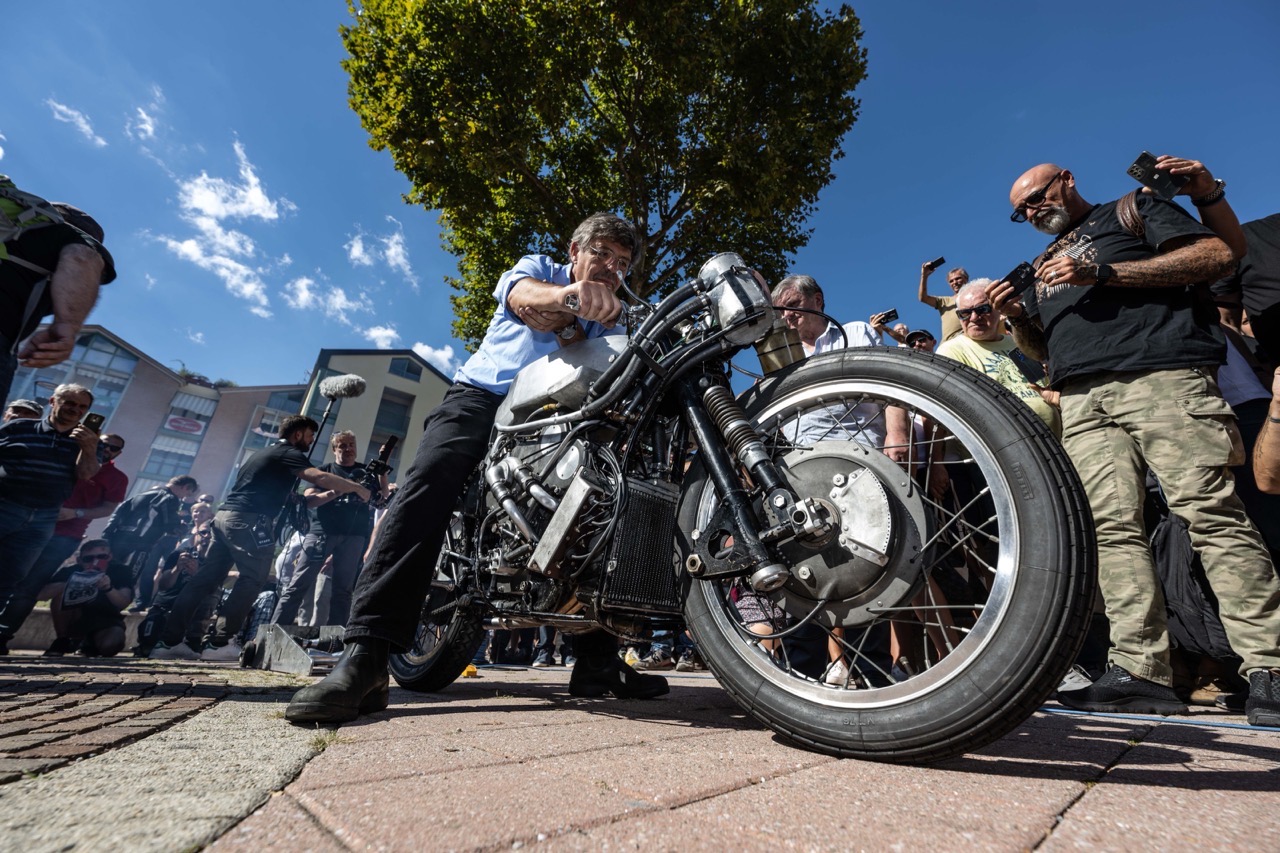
(862,595)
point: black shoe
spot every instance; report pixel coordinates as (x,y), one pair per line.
(358,685)
(610,675)
(1263,707)
(1118,690)
(59,647)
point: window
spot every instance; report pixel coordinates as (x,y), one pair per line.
(170,456)
(406,367)
(394,413)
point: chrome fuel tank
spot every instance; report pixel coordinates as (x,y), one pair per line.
(563,377)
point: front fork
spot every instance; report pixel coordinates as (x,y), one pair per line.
(718,423)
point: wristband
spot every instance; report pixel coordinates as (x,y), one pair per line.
(1212,197)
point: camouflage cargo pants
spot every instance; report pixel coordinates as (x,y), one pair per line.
(1115,426)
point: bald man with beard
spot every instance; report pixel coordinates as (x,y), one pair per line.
(1134,353)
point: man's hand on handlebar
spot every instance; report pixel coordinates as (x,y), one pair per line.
(593,299)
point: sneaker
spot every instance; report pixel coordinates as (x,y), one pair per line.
(837,674)
(1263,706)
(1075,679)
(569,661)
(631,657)
(59,647)
(658,659)
(229,653)
(541,662)
(690,662)
(179,652)
(1119,690)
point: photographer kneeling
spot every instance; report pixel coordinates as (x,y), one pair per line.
(87,602)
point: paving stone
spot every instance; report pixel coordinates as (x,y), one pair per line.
(282,824)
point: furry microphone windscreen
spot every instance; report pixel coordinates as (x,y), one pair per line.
(347,385)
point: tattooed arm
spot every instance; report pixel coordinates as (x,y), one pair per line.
(1027,333)
(1188,260)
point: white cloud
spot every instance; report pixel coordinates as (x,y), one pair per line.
(357,253)
(150,280)
(206,202)
(442,358)
(2,139)
(390,250)
(76,119)
(218,198)
(300,294)
(141,126)
(241,280)
(338,306)
(382,336)
(195,337)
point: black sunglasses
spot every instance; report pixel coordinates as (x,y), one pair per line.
(95,558)
(1034,200)
(966,313)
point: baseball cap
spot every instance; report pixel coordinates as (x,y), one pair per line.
(29,405)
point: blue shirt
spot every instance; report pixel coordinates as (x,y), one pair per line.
(508,343)
(37,463)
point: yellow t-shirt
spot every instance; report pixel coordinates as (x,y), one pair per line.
(994,359)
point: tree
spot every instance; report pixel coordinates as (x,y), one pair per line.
(711,125)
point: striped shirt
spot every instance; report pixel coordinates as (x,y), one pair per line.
(37,463)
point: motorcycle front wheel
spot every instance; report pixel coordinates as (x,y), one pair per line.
(948,608)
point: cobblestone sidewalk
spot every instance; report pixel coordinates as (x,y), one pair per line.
(54,711)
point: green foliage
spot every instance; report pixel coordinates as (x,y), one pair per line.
(711,125)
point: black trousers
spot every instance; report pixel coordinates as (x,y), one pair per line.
(389,594)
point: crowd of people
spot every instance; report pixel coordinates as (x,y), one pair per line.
(1147,344)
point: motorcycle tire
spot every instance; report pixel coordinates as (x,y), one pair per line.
(445,643)
(1022,639)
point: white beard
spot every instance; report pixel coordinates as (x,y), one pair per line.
(1054,222)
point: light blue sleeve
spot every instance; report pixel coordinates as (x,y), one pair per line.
(539,267)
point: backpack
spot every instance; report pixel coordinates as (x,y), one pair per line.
(20,212)
(1191,608)
(137,518)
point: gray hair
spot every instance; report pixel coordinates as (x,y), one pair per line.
(961,270)
(342,433)
(974,284)
(68,388)
(606,226)
(802,284)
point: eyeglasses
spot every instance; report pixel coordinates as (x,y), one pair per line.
(610,259)
(920,342)
(1034,200)
(95,558)
(114,448)
(966,313)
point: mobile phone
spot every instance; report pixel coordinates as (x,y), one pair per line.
(1022,277)
(889,316)
(93,421)
(1165,185)
(937,262)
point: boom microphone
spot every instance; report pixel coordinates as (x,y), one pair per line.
(347,385)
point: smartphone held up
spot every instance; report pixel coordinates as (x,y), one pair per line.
(1162,183)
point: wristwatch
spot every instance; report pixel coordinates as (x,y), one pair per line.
(1213,196)
(569,332)
(79,513)
(1102,272)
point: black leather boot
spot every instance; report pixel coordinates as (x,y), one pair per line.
(358,685)
(599,671)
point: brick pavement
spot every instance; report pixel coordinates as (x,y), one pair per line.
(54,711)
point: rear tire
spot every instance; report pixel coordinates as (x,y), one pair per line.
(1019,635)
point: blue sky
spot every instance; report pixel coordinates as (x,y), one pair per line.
(252,224)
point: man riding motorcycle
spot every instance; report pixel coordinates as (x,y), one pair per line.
(530,321)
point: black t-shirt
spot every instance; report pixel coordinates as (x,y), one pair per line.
(1257,280)
(1103,328)
(266,479)
(121,576)
(40,246)
(345,514)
